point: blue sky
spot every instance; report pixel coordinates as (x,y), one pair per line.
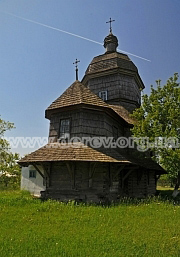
(36,61)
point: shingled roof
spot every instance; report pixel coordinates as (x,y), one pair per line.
(110,61)
(72,152)
(77,93)
(79,152)
(123,113)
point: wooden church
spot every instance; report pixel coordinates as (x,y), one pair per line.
(96,108)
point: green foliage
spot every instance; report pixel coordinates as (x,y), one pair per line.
(158,117)
(30,227)
(165,181)
(9,169)
(4,126)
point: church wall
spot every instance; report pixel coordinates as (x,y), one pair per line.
(137,184)
(75,120)
(92,123)
(104,185)
(64,186)
(85,123)
(141,183)
(89,183)
(151,186)
(122,89)
(99,124)
(101,182)
(60,178)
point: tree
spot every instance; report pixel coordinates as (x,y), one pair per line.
(158,119)
(9,169)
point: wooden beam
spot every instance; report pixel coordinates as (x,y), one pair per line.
(71,170)
(91,173)
(131,167)
(126,175)
(47,171)
(92,169)
(35,166)
(129,172)
(109,175)
(74,177)
(118,171)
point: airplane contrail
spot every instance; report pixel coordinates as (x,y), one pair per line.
(66,32)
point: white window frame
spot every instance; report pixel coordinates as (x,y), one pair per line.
(103,95)
(64,129)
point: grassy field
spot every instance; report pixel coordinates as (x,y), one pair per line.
(33,228)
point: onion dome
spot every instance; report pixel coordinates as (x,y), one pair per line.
(110,43)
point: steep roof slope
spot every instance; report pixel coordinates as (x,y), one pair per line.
(77,93)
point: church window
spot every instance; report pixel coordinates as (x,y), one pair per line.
(32,173)
(64,128)
(103,95)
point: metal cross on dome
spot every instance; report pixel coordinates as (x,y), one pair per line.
(76,65)
(110,21)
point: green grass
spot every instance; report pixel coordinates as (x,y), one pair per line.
(33,228)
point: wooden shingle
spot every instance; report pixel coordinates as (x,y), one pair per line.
(123,113)
(72,152)
(77,93)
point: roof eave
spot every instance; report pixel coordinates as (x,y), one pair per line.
(112,71)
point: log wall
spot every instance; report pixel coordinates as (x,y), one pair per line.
(141,183)
(98,182)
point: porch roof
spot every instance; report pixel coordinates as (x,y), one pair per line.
(79,152)
(72,152)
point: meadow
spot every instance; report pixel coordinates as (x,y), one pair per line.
(30,227)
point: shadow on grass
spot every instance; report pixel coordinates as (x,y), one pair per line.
(167,195)
(162,195)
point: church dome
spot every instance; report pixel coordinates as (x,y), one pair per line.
(110,43)
(111,60)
